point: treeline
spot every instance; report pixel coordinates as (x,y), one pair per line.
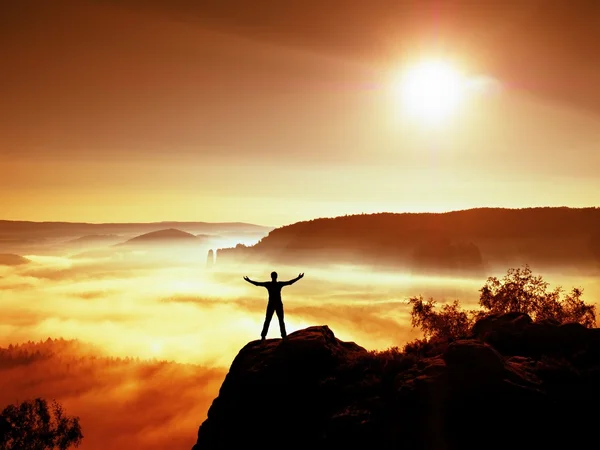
(467,240)
(117,399)
(471,223)
(67,355)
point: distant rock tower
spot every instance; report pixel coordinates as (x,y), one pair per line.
(210,260)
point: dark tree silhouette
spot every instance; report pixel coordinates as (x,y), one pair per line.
(518,291)
(553,237)
(440,254)
(522,291)
(450,321)
(35,425)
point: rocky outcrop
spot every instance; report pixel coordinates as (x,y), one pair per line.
(517,334)
(513,384)
(210,258)
(237,254)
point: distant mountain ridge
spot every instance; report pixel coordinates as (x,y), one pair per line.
(162,236)
(458,240)
(57,229)
(94,238)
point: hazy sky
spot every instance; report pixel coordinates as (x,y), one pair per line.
(273,111)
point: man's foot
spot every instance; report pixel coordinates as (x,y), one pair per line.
(284,337)
(262,338)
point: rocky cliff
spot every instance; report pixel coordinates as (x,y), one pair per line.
(512,384)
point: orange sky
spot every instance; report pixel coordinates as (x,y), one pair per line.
(272,112)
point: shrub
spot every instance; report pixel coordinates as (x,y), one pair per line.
(33,425)
(518,291)
(424,348)
(449,322)
(521,291)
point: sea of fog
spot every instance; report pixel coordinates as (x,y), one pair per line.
(195,317)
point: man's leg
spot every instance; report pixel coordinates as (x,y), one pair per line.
(279,311)
(268,316)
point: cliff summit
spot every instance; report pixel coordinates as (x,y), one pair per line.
(512,384)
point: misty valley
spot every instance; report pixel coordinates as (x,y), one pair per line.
(135,325)
(301,224)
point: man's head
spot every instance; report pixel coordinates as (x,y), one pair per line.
(274,276)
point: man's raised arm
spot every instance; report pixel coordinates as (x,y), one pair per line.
(255,283)
(287,283)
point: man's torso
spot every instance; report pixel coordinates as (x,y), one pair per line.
(274,288)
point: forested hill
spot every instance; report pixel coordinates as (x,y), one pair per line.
(481,222)
(453,240)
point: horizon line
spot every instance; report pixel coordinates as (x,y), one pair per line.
(301,220)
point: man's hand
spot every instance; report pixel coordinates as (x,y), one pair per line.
(247,279)
(300,275)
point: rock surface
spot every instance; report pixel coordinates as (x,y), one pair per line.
(513,384)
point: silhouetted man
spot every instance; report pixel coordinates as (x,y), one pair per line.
(275,304)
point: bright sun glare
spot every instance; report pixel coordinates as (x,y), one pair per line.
(156,348)
(431,90)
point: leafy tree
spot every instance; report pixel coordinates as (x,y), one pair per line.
(521,291)
(34,425)
(518,291)
(576,310)
(449,322)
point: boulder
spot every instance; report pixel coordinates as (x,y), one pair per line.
(474,361)
(517,334)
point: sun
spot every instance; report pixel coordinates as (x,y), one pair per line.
(156,348)
(431,90)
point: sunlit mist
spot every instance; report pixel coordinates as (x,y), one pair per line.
(145,145)
(152,308)
(187,313)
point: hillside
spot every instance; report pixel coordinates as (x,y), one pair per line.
(94,239)
(170,235)
(469,240)
(9,228)
(515,384)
